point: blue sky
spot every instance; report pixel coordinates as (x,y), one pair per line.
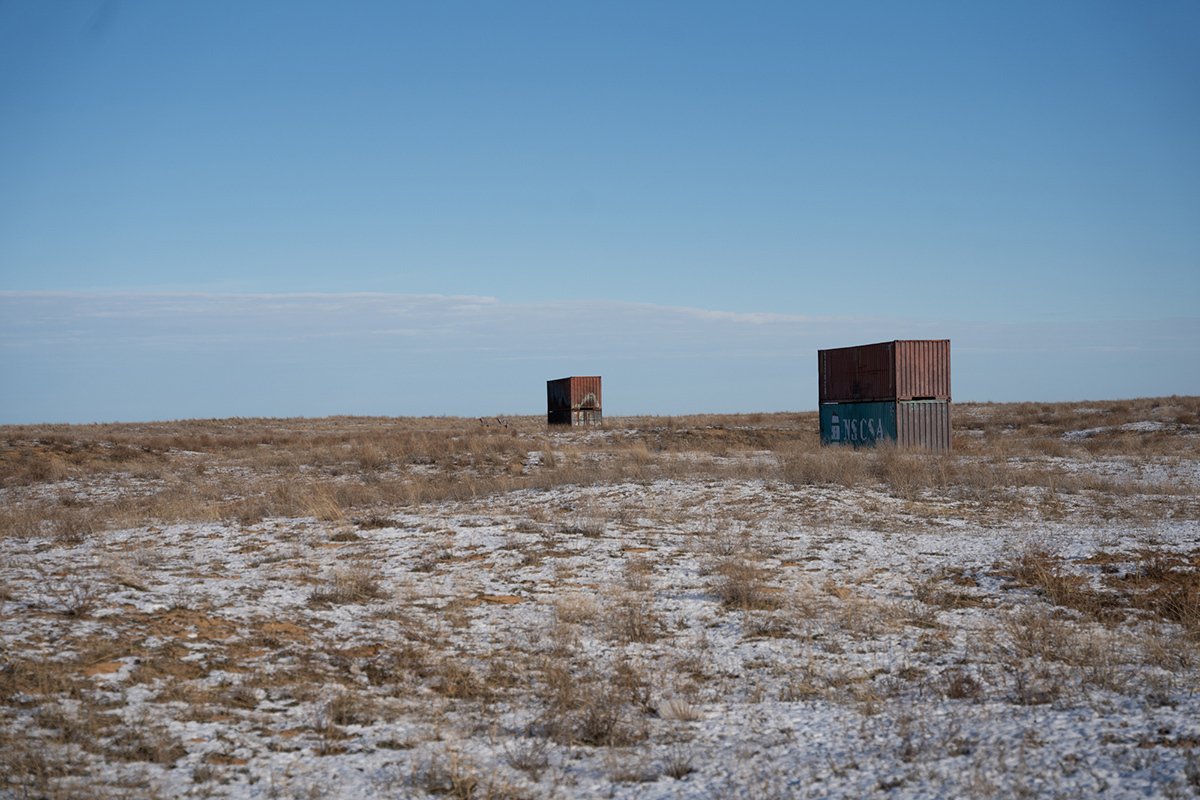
(300,208)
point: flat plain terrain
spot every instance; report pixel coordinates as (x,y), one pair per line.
(690,607)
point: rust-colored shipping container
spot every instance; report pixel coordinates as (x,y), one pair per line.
(904,369)
(920,424)
(574,401)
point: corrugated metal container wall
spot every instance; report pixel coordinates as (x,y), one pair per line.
(574,401)
(924,424)
(857,424)
(857,374)
(921,424)
(922,369)
(585,391)
(904,369)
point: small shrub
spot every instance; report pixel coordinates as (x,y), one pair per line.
(454,775)
(322,503)
(1037,684)
(460,682)
(741,586)
(73,526)
(633,619)
(575,608)
(72,595)
(357,583)
(349,708)
(592,709)
(376,522)
(638,574)
(678,709)
(589,527)
(1034,633)
(531,756)
(1046,573)
(959,684)
(152,744)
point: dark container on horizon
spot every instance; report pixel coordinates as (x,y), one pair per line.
(574,401)
(903,369)
(923,424)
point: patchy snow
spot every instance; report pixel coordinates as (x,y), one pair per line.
(1145,426)
(1142,426)
(893,653)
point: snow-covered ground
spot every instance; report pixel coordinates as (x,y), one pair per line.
(665,638)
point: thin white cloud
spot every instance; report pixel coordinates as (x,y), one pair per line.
(308,314)
(309,353)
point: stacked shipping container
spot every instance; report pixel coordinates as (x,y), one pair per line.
(574,401)
(897,391)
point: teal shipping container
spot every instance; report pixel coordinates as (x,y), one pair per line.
(921,424)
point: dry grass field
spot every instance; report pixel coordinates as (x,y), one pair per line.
(690,607)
